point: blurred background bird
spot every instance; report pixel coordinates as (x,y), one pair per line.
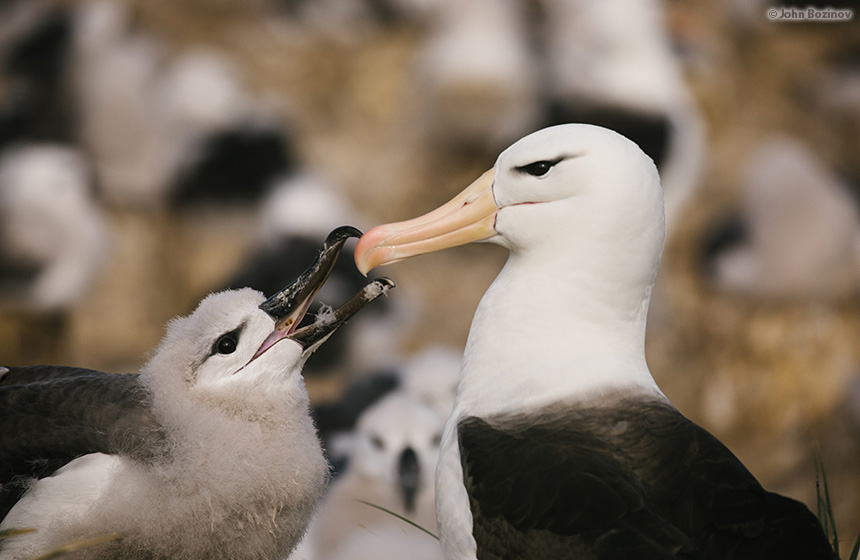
(172,125)
(392,466)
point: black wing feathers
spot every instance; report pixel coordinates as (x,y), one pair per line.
(50,415)
(634,480)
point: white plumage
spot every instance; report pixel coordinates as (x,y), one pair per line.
(560,444)
(244,469)
(431,376)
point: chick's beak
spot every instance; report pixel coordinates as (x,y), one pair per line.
(289,306)
(470,216)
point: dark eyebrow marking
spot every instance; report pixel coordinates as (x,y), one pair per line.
(549,162)
(235,332)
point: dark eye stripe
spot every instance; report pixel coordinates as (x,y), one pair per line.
(538,168)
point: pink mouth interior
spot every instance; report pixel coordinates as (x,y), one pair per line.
(280,332)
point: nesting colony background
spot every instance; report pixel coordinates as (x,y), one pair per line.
(154,151)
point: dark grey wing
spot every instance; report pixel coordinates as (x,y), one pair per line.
(60,414)
(535,494)
(32,374)
(636,480)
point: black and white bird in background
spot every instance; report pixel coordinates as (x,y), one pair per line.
(160,129)
(491,71)
(180,130)
(209,452)
(560,443)
(391,466)
(796,233)
(35,53)
(54,237)
(428,376)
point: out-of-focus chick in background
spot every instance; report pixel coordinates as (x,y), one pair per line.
(200,135)
(382,438)
(428,376)
(392,466)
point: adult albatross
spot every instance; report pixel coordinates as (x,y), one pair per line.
(209,453)
(560,443)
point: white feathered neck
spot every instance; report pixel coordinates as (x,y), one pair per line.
(565,319)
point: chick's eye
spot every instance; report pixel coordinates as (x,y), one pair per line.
(537,168)
(226,344)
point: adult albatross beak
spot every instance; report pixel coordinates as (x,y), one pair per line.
(469,216)
(289,306)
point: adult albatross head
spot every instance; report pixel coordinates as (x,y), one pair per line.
(576,193)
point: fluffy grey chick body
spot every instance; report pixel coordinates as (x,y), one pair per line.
(222,461)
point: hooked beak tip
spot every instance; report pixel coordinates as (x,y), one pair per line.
(370,251)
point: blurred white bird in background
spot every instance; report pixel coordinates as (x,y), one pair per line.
(115,70)
(431,375)
(162,129)
(476,79)
(54,238)
(798,230)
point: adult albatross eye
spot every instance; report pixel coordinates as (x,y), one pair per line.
(226,344)
(537,168)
